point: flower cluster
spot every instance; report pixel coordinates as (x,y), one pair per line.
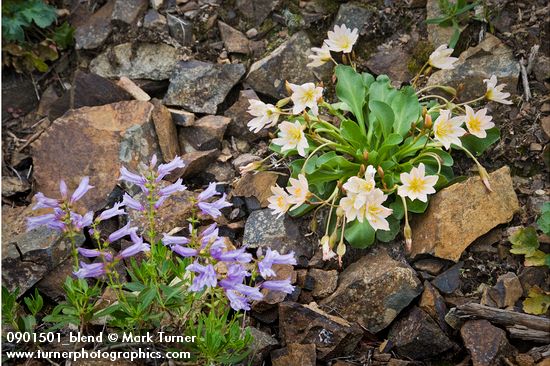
(298,193)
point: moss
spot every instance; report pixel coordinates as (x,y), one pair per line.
(419,57)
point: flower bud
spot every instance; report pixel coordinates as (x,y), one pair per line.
(332,239)
(485,177)
(449,90)
(251,167)
(366,155)
(380,172)
(281,103)
(428,121)
(424,112)
(313,224)
(287,87)
(340,211)
(407,232)
(306,117)
(362,170)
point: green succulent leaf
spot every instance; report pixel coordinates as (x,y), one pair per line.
(350,90)
(383,114)
(359,234)
(476,145)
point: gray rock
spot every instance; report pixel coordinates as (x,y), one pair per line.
(96,29)
(353,15)
(449,281)
(17,93)
(286,63)
(233,40)
(128,11)
(219,172)
(486,343)
(392,62)
(437,35)
(262,344)
(142,61)
(417,336)
(390,285)
(265,230)
(240,117)
(256,10)
(541,69)
(332,336)
(200,86)
(181,30)
(27,257)
(195,163)
(155,21)
(206,133)
(490,57)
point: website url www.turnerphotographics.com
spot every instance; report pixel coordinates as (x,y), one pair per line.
(69,339)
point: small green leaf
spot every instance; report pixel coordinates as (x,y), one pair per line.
(388,235)
(524,241)
(359,235)
(63,35)
(384,115)
(543,221)
(476,145)
(537,302)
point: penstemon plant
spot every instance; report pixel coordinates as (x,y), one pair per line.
(183,280)
(375,154)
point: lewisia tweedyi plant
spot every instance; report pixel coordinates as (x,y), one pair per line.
(183,277)
(377,152)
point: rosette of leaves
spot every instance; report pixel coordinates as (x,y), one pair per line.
(374,124)
(29,36)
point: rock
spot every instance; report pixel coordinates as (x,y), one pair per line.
(17,93)
(166,131)
(182,118)
(240,118)
(128,11)
(461,213)
(195,163)
(245,159)
(174,212)
(88,90)
(155,21)
(256,10)
(220,172)
(325,282)
(96,29)
(154,61)
(95,142)
(437,35)
(486,343)
(332,336)
(541,68)
(434,305)
(294,354)
(200,86)
(534,276)
(490,57)
(157,4)
(353,15)
(233,40)
(391,286)
(417,336)
(265,230)
(256,185)
(286,63)
(14,185)
(132,89)
(206,133)
(52,283)
(449,281)
(505,293)
(262,344)
(432,266)
(27,256)
(392,62)
(180,29)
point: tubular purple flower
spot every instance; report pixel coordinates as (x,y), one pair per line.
(278,285)
(112,212)
(273,257)
(210,236)
(82,221)
(237,301)
(44,202)
(252,293)
(206,276)
(172,188)
(160,201)
(132,203)
(153,162)
(237,255)
(133,178)
(92,253)
(90,270)
(208,192)
(63,189)
(183,251)
(213,208)
(134,249)
(47,219)
(165,169)
(81,190)
(170,239)
(236,274)
(122,232)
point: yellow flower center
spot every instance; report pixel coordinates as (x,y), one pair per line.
(444,129)
(416,184)
(281,202)
(298,191)
(475,124)
(295,134)
(309,96)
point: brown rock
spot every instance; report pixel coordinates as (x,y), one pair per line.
(166,131)
(486,343)
(14,185)
(325,282)
(332,336)
(256,185)
(461,213)
(206,133)
(234,41)
(195,162)
(182,118)
(416,336)
(434,305)
(391,286)
(432,266)
(95,142)
(392,62)
(294,355)
(505,293)
(133,89)
(545,124)
(262,344)
(52,283)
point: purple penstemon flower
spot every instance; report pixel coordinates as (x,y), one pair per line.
(183,251)
(236,274)
(278,285)
(112,212)
(213,208)
(90,270)
(50,220)
(236,255)
(165,169)
(134,249)
(122,232)
(92,253)
(172,188)
(133,178)
(273,257)
(240,295)
(81,190)
(205,276)
(80,221)
(170,239)
(132,203)
(210,237)
(44,202)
